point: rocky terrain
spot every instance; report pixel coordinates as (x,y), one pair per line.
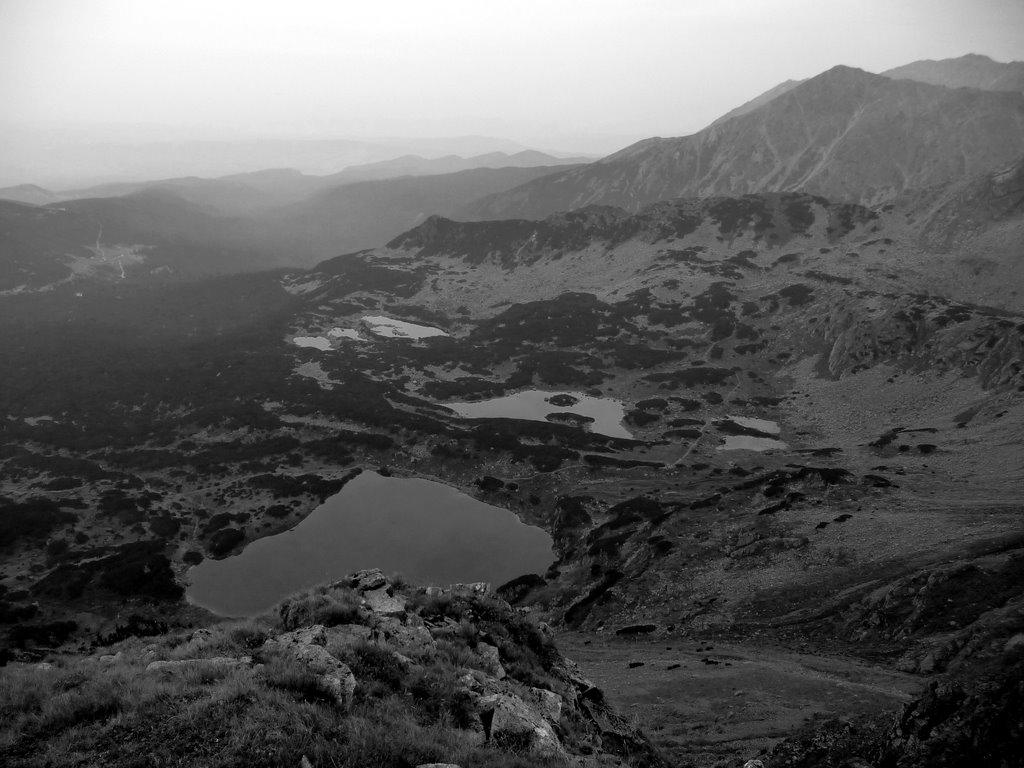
(360,672)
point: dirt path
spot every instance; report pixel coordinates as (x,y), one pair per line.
(703,702)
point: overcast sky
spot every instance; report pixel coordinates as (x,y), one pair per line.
(588,75)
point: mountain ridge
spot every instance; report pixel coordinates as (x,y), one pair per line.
(969,71)
(845,134)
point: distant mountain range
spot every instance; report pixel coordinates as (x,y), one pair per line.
(845,134)
(195,227)
(242,193)
(35,159)
(970,71)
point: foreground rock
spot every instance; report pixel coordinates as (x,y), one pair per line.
(333,677)
(512,689)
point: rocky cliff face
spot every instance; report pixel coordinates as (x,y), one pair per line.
(846,134)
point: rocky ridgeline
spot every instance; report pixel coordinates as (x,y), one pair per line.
(518,691)
(772,219)
(831,135)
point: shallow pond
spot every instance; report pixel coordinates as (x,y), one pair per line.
(399,329)
(429,532)
(748,443)
(535,405)
(761,425)
(315,342)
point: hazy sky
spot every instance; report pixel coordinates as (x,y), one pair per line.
(587,75)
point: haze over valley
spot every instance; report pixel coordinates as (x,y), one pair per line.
(535,386)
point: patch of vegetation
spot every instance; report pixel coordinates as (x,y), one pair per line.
(35,518)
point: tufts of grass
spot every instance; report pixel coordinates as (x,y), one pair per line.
(379,672)
(323,605)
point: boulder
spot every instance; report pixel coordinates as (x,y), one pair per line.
(383,604)
(367,580)
(492,660)
(183,664)
(548,703)
(312,635)
(306,646)
(507,719)
(348,635)
(409,638)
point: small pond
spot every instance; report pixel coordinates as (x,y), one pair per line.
(427,531)
(399,329)
(535,405)
(748,443)
(761,425)
(314,342)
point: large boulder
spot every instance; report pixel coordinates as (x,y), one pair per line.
(384,604)
(492,660)
(306,646)
(410,638)
(510,721)
(367,580)
(547,703)
(348,635)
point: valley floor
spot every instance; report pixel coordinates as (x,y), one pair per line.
(703,702)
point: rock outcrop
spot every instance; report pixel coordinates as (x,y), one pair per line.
(406,630)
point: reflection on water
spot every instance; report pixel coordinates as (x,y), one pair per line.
(535,405)
(429,532)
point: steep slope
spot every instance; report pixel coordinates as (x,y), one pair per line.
(845,134)
(759,101)
(970,71)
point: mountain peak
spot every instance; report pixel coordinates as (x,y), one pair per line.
(842,74)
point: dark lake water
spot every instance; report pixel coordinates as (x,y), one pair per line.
(427,531)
